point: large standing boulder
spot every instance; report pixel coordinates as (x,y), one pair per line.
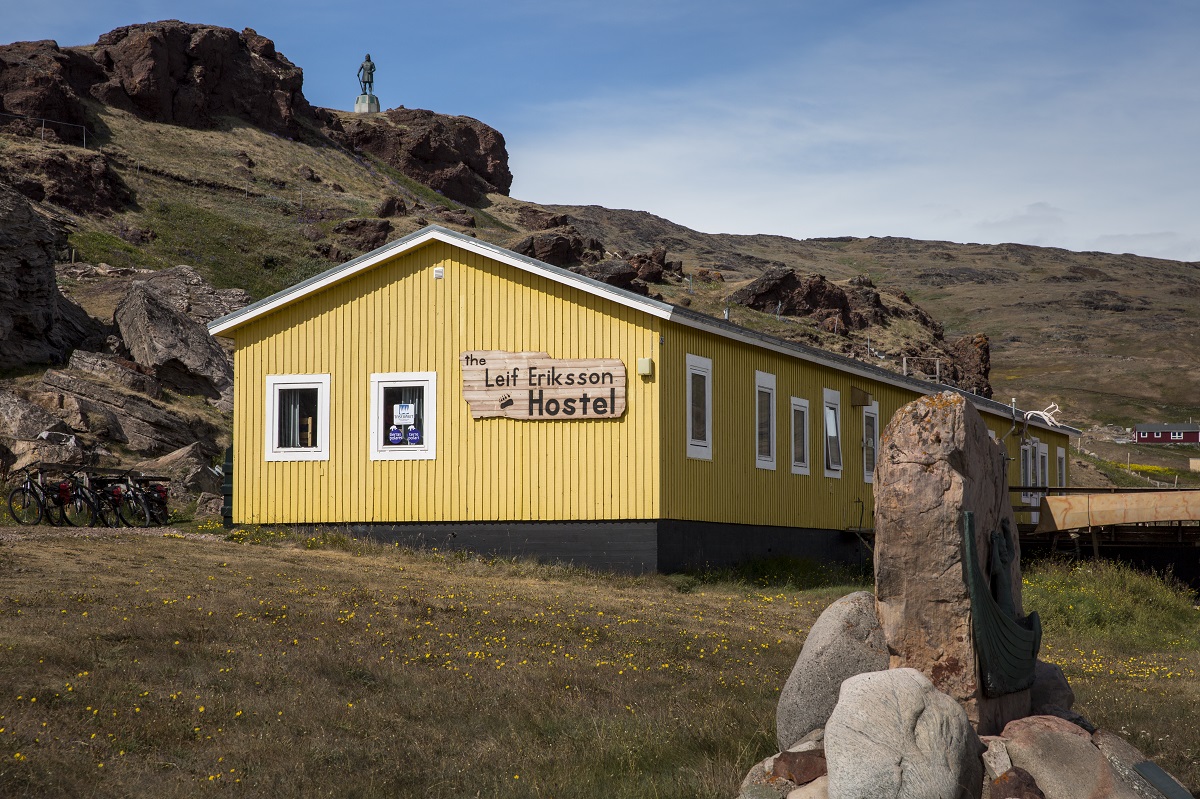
(845,640)
(938,460)
(179,349)
(893,735)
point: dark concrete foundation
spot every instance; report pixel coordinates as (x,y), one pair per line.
(635,546)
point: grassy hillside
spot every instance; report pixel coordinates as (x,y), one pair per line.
(235,203)
(164,665)
(1103,335)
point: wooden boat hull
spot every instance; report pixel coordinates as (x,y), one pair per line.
(1081,511)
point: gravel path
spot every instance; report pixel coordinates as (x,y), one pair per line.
(18,533)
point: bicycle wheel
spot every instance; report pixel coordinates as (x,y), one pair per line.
(24,506)
(105,516)
(133,511)
(79,511)
(159,515)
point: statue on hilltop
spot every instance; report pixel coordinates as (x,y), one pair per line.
(367,102)
(366,76)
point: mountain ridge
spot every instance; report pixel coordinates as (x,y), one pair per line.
(260,196)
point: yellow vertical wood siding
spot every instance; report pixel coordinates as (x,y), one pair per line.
(396,317)
(730,488)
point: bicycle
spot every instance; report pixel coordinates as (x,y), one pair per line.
(154,496)
(27,502)
(76,502)
(124,500)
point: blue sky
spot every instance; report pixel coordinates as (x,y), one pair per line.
(1069,124)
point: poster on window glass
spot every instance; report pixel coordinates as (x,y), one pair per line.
(534,386)
(405,410)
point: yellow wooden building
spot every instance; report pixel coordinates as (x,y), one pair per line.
(445,391)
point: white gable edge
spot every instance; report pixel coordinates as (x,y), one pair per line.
(418,239)
(628,299)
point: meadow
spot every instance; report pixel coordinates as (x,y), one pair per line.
(270,664)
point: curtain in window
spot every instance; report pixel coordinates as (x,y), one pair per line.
(297,418)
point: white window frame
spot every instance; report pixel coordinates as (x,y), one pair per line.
(1044,465)
(427,449)
(1027,478)
(832,399)
(764,381)
(799,459)
(276,383)
(701,449)
(1176,435)
(871,411)
(1062,467)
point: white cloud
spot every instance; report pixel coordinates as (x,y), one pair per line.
(863,137)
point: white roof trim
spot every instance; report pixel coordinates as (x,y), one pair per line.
(419,239)
(655,308)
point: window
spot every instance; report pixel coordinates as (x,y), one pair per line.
(699,407)
(870,440)
(1157,435)
(833,439)
(799,436)
(764,418)
(1175,436)
(1044,465)
(297,418)
(403,416)
(1062,468)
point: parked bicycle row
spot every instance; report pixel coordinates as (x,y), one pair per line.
(80,496)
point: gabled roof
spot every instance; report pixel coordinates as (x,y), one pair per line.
(657,308)
(1173,427)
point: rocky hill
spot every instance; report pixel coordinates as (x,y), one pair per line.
(205,164)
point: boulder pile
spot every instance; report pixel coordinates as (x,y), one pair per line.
(888,697)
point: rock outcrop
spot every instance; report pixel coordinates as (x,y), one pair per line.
(134,420)
(81,181)
(188,469)
(562,247)
(184,290)
(364,235)
(170,71)
(183,356)
(936,461)
(37,324)
(460,157)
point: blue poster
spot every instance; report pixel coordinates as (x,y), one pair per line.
(395,435)
(414,435)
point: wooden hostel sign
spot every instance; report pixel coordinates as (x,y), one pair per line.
(532,385)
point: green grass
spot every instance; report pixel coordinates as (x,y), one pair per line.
(165,665)
(1129,643)
(319,664)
